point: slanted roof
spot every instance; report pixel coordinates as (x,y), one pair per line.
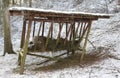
(35,12)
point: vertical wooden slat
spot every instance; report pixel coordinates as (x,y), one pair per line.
(38,34)
(40,28)
(82,34)
(59,33)
(25,48)
(71,34)
(81,27)
(66,28)
(77,28)
(49,32)
(86,39)
(23,34)
(34,29)
(68,33)
(52,30)
(43,28)
(73,39)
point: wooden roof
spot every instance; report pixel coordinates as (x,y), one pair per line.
(36,13)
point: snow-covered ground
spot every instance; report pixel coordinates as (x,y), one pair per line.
(104,61)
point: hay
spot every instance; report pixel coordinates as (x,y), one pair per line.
(52,45)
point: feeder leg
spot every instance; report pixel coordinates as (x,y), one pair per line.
(25,48)
(23,34)
(19,59)
(22,40)
(85,43)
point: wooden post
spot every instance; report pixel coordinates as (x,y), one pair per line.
(25,48)
(23,34)
(86,39)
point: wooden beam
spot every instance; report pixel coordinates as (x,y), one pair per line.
(60,19)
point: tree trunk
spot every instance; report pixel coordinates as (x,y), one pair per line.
(30,3)
(118,2)
(7,34)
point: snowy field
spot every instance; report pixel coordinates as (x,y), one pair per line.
(102,62)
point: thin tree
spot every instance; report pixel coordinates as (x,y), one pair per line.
(118,2)
(7,36)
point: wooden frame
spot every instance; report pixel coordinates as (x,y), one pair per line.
(64,19)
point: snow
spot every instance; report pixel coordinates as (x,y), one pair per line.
(104,35)
(53,11)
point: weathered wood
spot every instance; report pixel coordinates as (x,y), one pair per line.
(42,56)
(43,43)
(50,32)
(77,29)
(59,19)
(86,39)
(55,14)
(82,33)
(43,28)
(25,48)
(68,33)
(56,57)
(81,27)
(59,34)
(66,28)
(40,28)
(34,28)
(23,34)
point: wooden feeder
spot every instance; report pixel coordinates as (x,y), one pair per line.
(76,27)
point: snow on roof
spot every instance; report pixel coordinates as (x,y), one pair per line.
(58,12)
